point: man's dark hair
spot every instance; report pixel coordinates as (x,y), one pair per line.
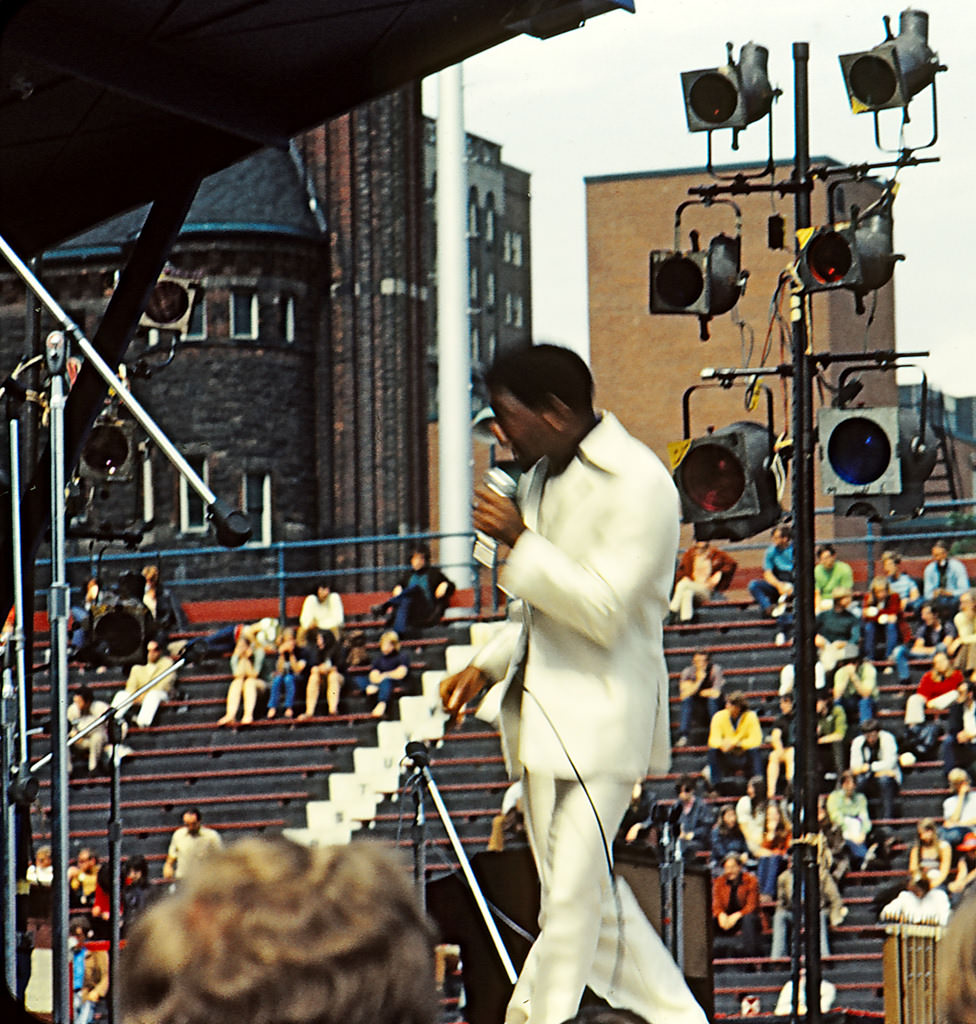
(194,810)
(826,547)
(420,548)
(86,693)
(536,372)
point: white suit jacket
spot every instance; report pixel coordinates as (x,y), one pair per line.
(594,570)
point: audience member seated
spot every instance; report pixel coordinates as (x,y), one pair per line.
(874,763)
(81,613)
(145,707)
(959,808)
(323,610)
(168,617)
(937,690)
(787,675)
(389,667)
(856,689)
(775,589)
(847,809)
(831,736)
(962,648)
(327,935)
(782,742)
(837,631)
(965,873)
(918,903)
(291,668)
(695,823)
(929,854)
(901,583)
(750,812)
(959,744)
(83,880)
(784,1004)
(832,910)
(41,872)
(702,570)
(325,670)
(933,636)
(735,909)
(191,844)
(881,613)
(508,826)
(734,740)
(89,971)
(245,681)
(700,690)
(262,635)
(943,580)
(136,891)
(773,850)
(830,575)
(637,821)
(726,839)
(418,599)
(82,711)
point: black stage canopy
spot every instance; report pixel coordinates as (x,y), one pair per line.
(104,103)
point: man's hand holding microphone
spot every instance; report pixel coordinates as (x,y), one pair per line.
(496,518)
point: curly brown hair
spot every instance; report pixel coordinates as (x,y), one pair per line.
(273,932)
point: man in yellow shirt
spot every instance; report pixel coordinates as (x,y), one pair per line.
(734,739)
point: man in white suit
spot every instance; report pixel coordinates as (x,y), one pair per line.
(584,706)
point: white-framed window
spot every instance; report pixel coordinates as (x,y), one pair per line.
(257,506)
(148,490)
(490,289)
(518,312)
(287,310)
(473,213)
(516,248)
(509,305)
(196,329)
(475,344)
(507,247)
(490,218)
(473,286)
(244,314)
(193,512)
(492,347)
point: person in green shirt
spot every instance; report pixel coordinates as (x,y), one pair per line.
(828,574)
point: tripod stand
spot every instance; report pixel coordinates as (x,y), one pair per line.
(417,756)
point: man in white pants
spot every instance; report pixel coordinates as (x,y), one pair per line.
(584,701)
(157,665)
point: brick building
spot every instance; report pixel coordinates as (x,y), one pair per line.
(644,363)
(300,389)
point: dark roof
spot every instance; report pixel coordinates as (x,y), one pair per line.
(108,104)
(262,193)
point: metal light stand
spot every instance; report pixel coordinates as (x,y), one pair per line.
(417,756)
(232,530)
(113,719)
(672,875)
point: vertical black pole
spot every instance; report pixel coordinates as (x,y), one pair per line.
(806,887)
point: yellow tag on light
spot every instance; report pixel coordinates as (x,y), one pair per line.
(677,450)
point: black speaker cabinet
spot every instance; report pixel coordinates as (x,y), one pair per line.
(509,882)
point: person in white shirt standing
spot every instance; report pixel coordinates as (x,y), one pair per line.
(593,535)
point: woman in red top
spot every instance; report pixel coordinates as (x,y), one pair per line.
(937,690)
(882,610)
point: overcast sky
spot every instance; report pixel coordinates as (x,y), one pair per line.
(606,99)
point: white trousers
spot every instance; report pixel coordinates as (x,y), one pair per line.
(148,707)
(587,937)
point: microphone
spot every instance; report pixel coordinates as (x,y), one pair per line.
(485,550)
